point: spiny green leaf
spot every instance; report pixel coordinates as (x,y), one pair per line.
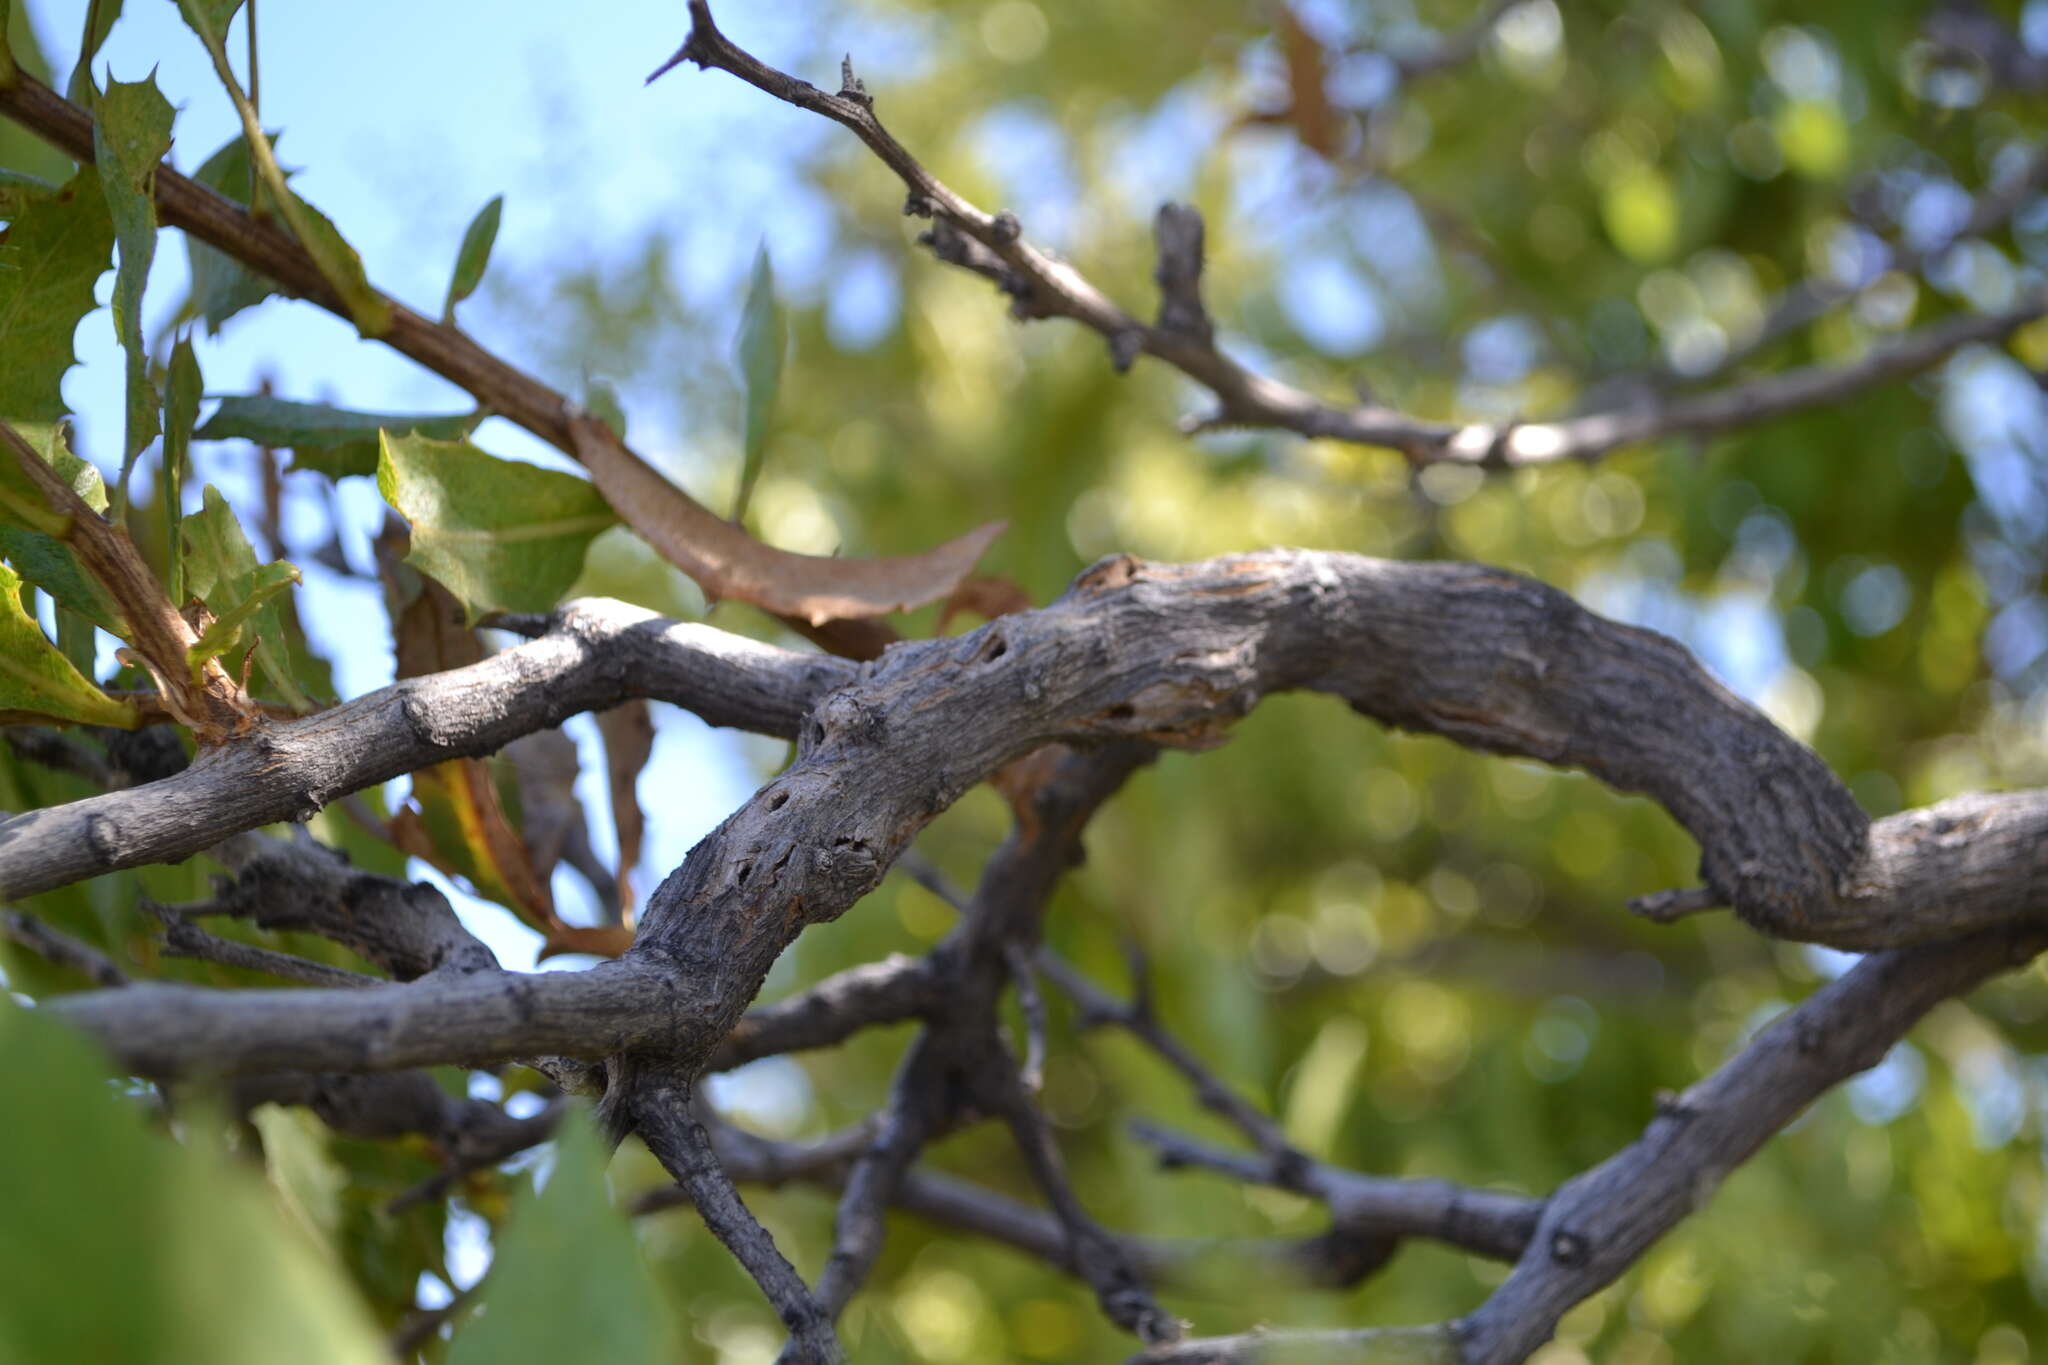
(221,570)
(500,535)
(51,256)
(131,134)
(206,1266)
(38,682)
(333,441)
(221,285)
(226,631)
(474,255)
(763,338)
(180,412)
(569,1281)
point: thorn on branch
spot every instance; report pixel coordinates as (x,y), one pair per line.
(851,86)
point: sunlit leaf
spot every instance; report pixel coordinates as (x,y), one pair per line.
(206,1266)
(332,441)
(36,681)
(51,256)
(259,592)
(474,256)
(763,339)
(221,570)
(131,134)
(500,535)
(569,1281)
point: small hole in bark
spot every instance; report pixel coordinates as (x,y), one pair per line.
(746,869)
(1123,710)
(778,801)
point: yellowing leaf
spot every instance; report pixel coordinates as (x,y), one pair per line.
(457,822)
(36,681)
(500,535)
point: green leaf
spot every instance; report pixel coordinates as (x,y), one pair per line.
(474,255)
(37,681)
(99,19)
(131,134)
(51,256)
(339,265)
(18,191)
(128,1246)
(308,1182)
(568,1281)
(210,19)
(180,413)
(221,570)
(226,631)
(333,441)
(500,535)
(763,338)
(49,564)
(221,285)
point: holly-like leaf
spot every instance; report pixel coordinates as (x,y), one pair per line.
(130,136)
(221,285)
(51,256)
(569,1281)
(474,256)
(221,570)
(500,535)
(333,441)
(206,1266)
(36,681)
(763,339)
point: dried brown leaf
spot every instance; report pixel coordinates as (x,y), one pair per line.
(628,740)
(727,562)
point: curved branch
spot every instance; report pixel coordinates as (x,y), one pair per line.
(1169,654)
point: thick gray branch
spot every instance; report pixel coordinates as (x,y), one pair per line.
(598,654)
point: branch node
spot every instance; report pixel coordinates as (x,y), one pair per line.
(851,87)
(1005,228)
(1569,1249)
(1125,346)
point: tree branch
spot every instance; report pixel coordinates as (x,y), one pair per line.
(1041,286)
